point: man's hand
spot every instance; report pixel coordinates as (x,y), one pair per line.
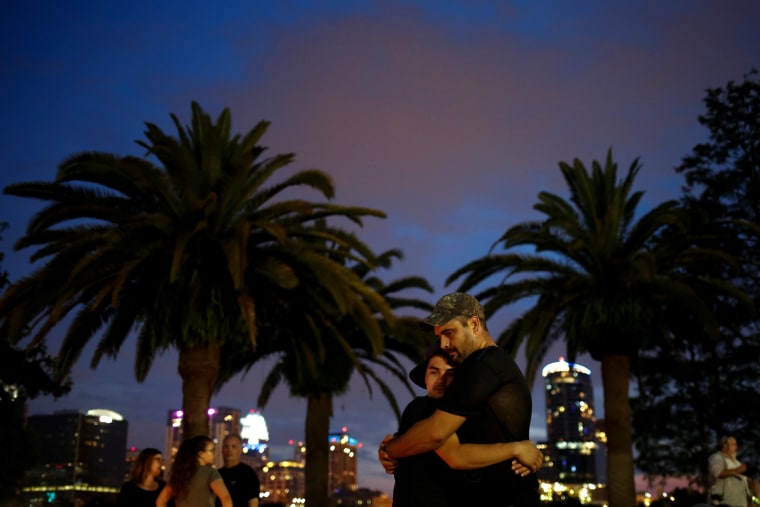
(528,459)
(389,464)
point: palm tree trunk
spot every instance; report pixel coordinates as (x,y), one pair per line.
(617,417)
(199,369)
(318,414)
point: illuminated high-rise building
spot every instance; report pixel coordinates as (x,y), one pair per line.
(222,422)
(283,483)
(299,451)
(571,449)
(255,436)
(82,456)
(342,462)
(174,434)
(283,480)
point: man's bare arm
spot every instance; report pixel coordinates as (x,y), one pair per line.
(469,456)
(425,435)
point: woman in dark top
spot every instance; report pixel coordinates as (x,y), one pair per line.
(144,484)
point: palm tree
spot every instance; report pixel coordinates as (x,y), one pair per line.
(602,280)
(181,252)
(320,347)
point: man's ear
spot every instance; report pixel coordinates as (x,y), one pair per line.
(475,324)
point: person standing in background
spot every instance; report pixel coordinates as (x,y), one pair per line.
(729,485)
(144,484)
(241,480)
(194,481)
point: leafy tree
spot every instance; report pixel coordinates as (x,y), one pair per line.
(181,252)
(602,280)
(321,345)
(713,384)
(723,174)
(24,374)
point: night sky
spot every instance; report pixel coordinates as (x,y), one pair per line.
(449,116)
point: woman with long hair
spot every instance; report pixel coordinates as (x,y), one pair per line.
(144,484)
(194,481)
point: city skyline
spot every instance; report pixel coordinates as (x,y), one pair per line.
(450,116)
(285,419)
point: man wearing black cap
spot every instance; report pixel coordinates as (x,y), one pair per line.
(424,479)
(488,401)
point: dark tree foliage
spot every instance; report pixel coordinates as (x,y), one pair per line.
(24,374)
(688,399)
(723,174)
(695,388)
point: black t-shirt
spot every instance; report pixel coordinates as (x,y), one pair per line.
(132,495)
(491,392)
(242,483)
(424,479)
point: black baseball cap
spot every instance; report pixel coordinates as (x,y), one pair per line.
(417,374)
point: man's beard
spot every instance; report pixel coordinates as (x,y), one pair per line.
(455,357)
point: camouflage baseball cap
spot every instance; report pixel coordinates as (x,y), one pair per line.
(450,306)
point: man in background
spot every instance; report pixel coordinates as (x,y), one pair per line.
(729,485)
(241,479)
